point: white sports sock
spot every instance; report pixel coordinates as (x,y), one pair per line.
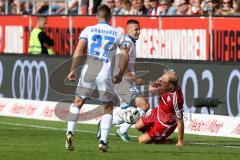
(141,111)
(106,124)
(117,119)
(124,127)
(74,115)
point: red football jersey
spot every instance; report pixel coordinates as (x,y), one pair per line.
(170,107)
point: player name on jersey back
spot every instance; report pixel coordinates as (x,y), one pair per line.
(104,31)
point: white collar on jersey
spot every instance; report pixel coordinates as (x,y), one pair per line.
(103,22)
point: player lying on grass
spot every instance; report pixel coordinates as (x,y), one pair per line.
(161,122)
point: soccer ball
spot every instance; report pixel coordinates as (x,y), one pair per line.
(131,115)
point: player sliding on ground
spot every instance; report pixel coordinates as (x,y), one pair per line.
(127,91)
(163,120)
(102,41)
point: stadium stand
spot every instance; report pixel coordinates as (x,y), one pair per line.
(122,7)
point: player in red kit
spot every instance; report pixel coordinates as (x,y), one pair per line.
(161,122)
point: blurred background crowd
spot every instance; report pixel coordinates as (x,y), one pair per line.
(122,7)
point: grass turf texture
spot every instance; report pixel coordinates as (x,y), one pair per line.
(20,139)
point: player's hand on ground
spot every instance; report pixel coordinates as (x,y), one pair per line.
(72,76)
(179,144)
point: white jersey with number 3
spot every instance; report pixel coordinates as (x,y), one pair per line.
(103,41)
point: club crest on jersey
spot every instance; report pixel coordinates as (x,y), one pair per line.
(168,98)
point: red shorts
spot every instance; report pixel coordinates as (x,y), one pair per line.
(154,128)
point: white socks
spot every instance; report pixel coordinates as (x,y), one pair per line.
(72,120)
(117,119)
(125,126)
(141,111)
(106,124)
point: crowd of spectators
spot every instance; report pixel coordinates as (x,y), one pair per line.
(122,7)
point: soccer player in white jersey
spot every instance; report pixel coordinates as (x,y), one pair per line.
(127,91)
(102,41)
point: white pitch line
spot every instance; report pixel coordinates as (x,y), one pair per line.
(12,128)
(215,145)
(50,128)
(61,129)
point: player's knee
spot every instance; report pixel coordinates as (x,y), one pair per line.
(142,103)
(78,102)
(146,107)
(108,108)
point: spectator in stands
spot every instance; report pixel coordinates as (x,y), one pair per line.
(42,8)
(195,7)
(18,7)
(40,42)
(227,7)
(141,7)
(86,7)
(117,10)
(96,3)
(72,8)
(126,7)
(182,7)
(211,7)
(236,7)
(121,7)
(165,8)
(153,9)
(55,6)
(147,5)
(137,7)
(2,5)
(111,5)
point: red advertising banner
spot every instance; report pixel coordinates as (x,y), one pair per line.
(175,38)
(185,38)
(226,39)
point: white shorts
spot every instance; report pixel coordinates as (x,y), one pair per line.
(88,85)
(127,92)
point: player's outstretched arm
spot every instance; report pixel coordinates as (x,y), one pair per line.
(137,80)
(123,62)
(180,125)
(76,57)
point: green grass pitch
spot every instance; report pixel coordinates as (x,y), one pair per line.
(26,139)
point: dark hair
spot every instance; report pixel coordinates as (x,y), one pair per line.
(238,6)
(132,21)
(103,11)
(125,2)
